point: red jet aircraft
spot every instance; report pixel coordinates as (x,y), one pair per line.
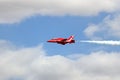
(62,41)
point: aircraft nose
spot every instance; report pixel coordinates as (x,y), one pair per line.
(49,41)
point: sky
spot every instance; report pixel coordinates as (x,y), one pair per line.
(26,25)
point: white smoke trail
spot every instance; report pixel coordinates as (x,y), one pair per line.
(102,42)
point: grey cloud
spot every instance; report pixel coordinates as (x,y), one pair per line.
(12,11)
(34,64)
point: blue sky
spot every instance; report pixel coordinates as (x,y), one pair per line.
(38,29)
(26,25)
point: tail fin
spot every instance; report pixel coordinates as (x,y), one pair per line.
(70,39)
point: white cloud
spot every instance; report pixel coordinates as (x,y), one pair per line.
(91,31)
(110,27)
(34,64)
(12,11)
(5,45)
